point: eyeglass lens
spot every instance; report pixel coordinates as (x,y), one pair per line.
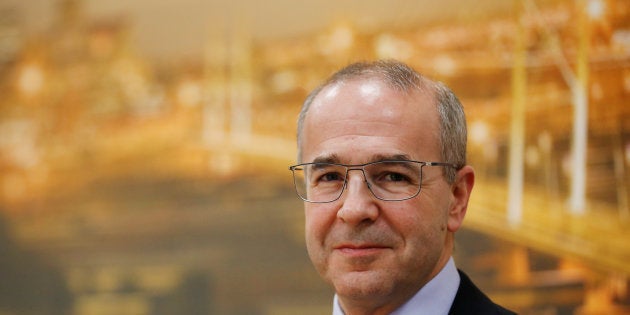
(388,180)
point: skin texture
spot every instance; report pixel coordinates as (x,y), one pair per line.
(378,254)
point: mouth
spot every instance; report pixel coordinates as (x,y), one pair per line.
(357,250)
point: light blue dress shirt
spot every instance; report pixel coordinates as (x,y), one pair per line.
(435,298)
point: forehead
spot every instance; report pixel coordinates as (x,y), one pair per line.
(370,93)
(366,114)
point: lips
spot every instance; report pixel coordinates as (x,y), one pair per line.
(360,249)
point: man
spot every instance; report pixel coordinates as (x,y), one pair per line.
(384,177)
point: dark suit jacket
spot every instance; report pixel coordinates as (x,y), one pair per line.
(469,300)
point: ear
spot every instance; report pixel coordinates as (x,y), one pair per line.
(461,189)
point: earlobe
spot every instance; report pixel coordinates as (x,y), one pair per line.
(461,190)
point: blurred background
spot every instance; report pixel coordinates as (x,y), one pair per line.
(144,148)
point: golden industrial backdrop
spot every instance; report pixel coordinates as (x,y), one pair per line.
(144,148)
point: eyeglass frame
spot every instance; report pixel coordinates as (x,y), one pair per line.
(361,167)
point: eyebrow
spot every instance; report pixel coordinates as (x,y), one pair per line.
(334,158)
(393,157)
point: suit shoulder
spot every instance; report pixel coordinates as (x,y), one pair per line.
(469,300)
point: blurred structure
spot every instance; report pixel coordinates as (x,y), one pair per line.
(161,187)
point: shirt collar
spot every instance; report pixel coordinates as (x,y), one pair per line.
(434,298)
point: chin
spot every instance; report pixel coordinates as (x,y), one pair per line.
(363,284)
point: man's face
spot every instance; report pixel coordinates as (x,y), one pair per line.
(368,249)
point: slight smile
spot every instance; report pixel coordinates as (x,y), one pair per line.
(352,250)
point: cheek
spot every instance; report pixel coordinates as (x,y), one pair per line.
(318,220)
(317,226)
(420,221)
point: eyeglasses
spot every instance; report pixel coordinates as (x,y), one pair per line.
(387,180)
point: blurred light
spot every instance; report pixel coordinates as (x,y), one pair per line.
(132,80)
(189,93)
(283,81)
(479,132)
(621,40)
(532,156)
(340,39)
(223,163)
(389,46)
(18,143)
(445,65)
(595,9)
(628,153)
(438,38)
(30,79)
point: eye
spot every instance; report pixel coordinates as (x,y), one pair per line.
(395,177)
(389,173)
(330,177)
(325,174)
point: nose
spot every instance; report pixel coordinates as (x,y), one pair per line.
(359,204)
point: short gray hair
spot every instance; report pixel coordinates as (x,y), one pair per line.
(405,79)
